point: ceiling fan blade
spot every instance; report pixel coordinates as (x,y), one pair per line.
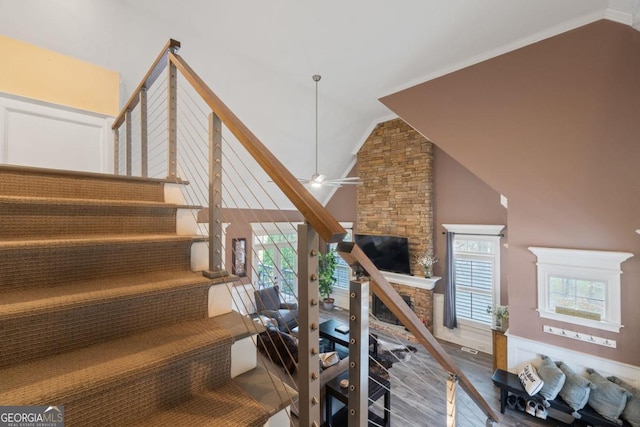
(343,182)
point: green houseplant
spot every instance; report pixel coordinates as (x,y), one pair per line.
(326,271)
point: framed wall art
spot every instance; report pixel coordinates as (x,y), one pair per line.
(239,257)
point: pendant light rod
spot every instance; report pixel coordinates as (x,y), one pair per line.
(316,78)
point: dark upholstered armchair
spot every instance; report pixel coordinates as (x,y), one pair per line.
(268,304)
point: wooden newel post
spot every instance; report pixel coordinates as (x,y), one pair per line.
(127,141)
(358,353)
(144,166)
(215,199)
(308,321)
(172,125)
(116,151)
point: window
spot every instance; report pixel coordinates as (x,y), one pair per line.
(580,287)
(275,257)
(343,271)
(476,258)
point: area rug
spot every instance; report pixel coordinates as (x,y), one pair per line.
(388,354)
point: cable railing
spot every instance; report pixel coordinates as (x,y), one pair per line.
(262,229)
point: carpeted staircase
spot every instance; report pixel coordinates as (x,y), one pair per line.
(100,312)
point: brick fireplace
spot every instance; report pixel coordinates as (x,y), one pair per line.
(395,165)
(382,313)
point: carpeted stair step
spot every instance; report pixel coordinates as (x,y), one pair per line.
(227,406)
(268,389)
(128,379)
(36,182)
(41,322)
(46,218)
(44,263)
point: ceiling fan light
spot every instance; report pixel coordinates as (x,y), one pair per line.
(317,180)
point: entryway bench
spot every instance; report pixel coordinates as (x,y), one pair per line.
(510,383)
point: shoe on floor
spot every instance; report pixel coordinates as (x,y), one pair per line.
(520,403)
(531,407)
(541,411)
(511,402)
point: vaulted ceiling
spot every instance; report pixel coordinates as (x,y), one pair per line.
(259,56)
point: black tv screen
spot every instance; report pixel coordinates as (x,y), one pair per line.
(388,253)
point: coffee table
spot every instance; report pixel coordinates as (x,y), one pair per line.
(378,387)
(328,331)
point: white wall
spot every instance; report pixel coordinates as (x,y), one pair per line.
(39,134)
(464,335)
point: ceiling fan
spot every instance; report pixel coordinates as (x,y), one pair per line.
(318,180)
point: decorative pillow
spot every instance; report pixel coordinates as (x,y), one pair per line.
(267,322)
(607,399)
(575,390)
(552,376)
(530,379)
(329,359)
(631,412)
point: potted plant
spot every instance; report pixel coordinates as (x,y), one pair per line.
(501,312)
(326,271)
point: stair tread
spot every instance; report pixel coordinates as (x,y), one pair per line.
(91,202)
(35,301)
(226,406)
(239,325)
(65,376)
(96,240)
(34,170)
(269,390)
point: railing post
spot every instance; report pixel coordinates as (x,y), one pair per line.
(144,167)
(127,141)
(215,199)
(116,151)
(452,383)
(358,353)
(172,125)
(308,320)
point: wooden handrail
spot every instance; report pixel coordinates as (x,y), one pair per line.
(354,256)
(316,215)
(320,219)
(154,71)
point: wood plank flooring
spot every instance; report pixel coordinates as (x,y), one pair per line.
(419,389)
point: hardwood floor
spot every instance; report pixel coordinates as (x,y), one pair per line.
(419,388)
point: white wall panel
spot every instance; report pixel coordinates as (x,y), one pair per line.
(464,335)
(39,134)
(522,351)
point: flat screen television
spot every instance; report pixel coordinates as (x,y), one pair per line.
(388,253)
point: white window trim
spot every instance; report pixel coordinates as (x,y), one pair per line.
(347,226)
(584,264)
(492,233)
(473,228)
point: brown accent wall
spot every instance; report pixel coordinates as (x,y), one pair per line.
(553,126)
(342,204)
(460,197)
(395,165)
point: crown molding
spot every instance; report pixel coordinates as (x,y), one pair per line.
(509,47)
(618,16)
